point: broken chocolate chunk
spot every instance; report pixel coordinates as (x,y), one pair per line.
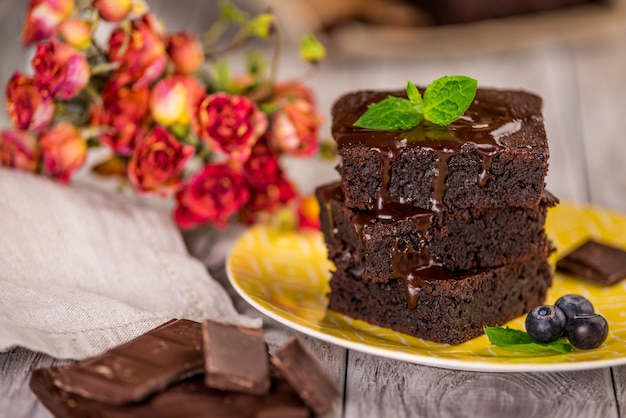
(190,398)
(135,370)
(597,262)
(306,375)
(236,358)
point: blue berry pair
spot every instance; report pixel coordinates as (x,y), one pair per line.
(572,316)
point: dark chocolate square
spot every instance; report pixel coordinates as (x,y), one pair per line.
(236,358)
(596,262)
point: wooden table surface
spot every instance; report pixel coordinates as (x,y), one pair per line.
(583,84)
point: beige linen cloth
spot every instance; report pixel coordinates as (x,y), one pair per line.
(84,270)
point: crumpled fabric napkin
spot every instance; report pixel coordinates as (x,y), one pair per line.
(83,270)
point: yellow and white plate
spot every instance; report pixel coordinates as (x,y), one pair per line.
(285,276)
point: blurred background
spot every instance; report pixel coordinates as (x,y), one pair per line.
(571,52)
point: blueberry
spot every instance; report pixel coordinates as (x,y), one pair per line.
(586,331)
(572,305)
(545,323)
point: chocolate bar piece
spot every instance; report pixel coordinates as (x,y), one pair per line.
(139,368)
(236,358)
(596,262)
(316,388)
(190,398)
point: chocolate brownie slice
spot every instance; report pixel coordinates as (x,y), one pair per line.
(387,241)
(495,155)
(443,306)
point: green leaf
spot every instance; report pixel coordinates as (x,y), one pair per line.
(389,114)
(262,26)
(256,62)
(516,340)
(414,94)
(222,76)
(447,98)
(229,12)
(311,50)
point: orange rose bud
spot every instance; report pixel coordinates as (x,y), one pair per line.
(19,149)
(185,51)
(113,10)
(138,8)
(295,128)
(64,151)
(76,32)
(308,212)
(42,18)
(173,100)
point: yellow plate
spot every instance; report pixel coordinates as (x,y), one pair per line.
(285,276)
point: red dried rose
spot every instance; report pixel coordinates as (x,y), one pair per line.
(158,162)
(230,124)
(140,53)
(268,199)
(124,110)
(19,149)
(60,70)
(42,18)
(27,108)
(262,167)
(213,195)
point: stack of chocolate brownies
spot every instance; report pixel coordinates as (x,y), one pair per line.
(438,231)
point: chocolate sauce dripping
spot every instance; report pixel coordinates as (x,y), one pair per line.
(415,268)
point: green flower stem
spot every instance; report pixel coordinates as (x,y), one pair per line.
(83,4)
(93,131)
(214,33)
(105,67)
(237,41)
(308,74)
(276,56)
(93,94)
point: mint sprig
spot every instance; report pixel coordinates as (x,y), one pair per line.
(444,101)
(516,340)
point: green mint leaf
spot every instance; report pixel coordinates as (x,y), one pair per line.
(516,340)
(392,113)
(414,96)
(447,98)
(503,337)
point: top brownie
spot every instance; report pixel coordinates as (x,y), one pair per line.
(495,155)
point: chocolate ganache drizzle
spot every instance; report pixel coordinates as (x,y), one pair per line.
(483,125)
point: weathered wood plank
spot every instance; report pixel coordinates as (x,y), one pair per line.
(15,367)
(602,86)
(379,387)
(619,381)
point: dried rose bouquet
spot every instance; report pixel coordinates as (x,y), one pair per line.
(173,118)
